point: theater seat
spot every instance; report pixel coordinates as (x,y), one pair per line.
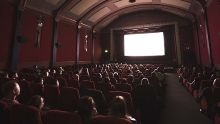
(52,96)
(62,117)
(21,114)
(69,98)
(3,107)
(109,120)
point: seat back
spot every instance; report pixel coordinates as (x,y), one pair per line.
(69,98)
(52,95)
(21,114)
(109,120)
(62,117)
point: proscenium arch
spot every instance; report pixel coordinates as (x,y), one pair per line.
(170,9)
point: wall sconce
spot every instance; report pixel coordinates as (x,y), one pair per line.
(86,43)
(202,35)
(39,30)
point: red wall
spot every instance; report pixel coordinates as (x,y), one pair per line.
(203,43)
(214,28)
(29,54)
(67,39)
(7,22)
(98,50)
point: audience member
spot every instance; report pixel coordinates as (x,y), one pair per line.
(10,91)
(87,109)
(37,101)
(118,108)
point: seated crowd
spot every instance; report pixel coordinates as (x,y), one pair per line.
(87,94)
(204,85)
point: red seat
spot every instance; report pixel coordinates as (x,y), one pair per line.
(62,117)
(21,114)
(69,98)
(109,120)
(52,96)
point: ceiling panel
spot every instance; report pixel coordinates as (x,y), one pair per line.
(82,6)
(178,3)
(54,2)
(124,3)
(102,12)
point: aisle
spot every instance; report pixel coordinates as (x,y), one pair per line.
(180,107)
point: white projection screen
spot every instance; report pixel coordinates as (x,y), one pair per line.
(144,44)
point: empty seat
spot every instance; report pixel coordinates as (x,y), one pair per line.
(62,117)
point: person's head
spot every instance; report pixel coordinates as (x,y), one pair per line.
(144,81)
(37,101)
(87,107)
(11,89)
(130,78)
(216,82)
(118,107)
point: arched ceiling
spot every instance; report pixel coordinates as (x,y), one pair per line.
(99,13)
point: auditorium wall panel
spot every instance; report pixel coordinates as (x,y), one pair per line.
(7,24)
(67,40)
(203,43)
(98,49)
(29,54)
(214,28)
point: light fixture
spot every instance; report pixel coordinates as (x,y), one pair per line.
(132,1)
(106,51)
(40,23)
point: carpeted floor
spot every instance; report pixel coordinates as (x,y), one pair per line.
(180,107)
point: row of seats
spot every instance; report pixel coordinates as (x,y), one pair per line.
(204,85)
